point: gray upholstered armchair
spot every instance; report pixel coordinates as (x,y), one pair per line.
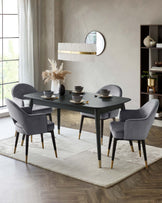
(133,125)
(18,92)
(29,124)
(114,91)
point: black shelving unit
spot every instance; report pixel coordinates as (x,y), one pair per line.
(148,57)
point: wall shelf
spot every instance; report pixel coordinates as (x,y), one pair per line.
(148,58)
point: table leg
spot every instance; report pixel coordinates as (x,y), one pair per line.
(123,107)
(58,120)
(98,137)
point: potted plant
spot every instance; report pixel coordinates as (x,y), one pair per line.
(150,80)
(56,75)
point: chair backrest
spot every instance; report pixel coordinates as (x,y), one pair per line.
(29,123)
(21,89)
(149,109)
(115,90)
(16,113)
(139,129)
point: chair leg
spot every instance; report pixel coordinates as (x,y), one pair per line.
(15,133)
(23,137)
(50,117)
(131,144)
(26,150)
(54,143)
(31,138)
(109,146)
(16,141)
(81,125)
(144,152)
(42,140)
(113,153)
(102,126)
(139,147)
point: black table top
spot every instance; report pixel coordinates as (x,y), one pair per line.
(94,102)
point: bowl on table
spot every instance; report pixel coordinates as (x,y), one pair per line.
(77,98)
(104,92)
(48,93)
(78,88)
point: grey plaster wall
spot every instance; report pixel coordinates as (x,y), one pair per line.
(119,21)
(49,33)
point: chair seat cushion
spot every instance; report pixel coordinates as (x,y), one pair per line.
(102,116)
(117,129)
(50,125)
(41,109)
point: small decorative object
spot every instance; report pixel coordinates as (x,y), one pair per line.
(62,90)
(48,93)
(158,63)
(149,42)
(56,75)
(150,81)
(151,84)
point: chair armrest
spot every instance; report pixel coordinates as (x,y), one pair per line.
(137,129)
(18,101)
(28,110)
(130,114)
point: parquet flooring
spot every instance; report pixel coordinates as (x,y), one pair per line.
(28,184)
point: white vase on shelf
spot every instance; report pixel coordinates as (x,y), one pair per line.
(55,86)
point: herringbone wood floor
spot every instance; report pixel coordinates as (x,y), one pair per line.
(28,184)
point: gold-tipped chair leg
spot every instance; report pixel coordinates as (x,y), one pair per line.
(26,159)
(112,162)
(42,145)
(108,152)
(101,140)
(31,138)
(146,164)
(14,150)
(132,148)
(99,163)
(56,153)
(59,131)
(140,153)
(79,136)
(22,142)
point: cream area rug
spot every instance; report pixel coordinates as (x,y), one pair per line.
(78,158)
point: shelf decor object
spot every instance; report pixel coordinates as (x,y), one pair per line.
(76,51)
(151,84)
(149,42)
(151,64)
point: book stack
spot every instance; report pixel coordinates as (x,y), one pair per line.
(159,45)
(156,68)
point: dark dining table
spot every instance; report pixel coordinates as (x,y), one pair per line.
(93,104)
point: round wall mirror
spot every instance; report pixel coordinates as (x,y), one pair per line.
(95,37)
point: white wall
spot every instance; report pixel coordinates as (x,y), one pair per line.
(119,21)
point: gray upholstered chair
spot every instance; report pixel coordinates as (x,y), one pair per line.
(18,92)
(29,124)
(114,91)
(133,125)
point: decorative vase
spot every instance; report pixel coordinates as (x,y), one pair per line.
(151,84)
(55,86)
(149,42)
(62,90)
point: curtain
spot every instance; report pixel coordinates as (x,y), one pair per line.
(28,62)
